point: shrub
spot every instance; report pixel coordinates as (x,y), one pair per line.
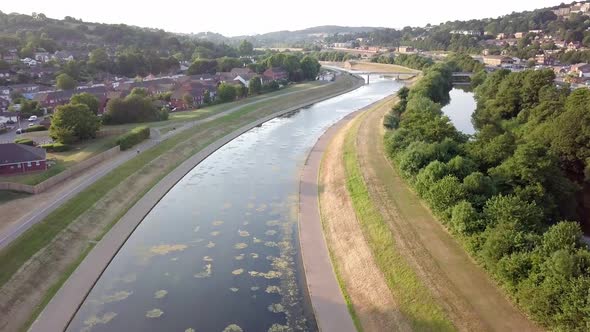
(34,128)
(56,147)
(133,137)
(25,141)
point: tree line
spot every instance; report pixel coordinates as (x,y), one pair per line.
(513,193)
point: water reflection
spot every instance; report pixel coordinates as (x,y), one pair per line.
(460,109)
(220,250)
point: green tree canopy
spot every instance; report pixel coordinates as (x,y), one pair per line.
(65,82)
(87,99)
(73,122)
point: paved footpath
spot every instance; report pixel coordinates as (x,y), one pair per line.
(328,303)
(40,211)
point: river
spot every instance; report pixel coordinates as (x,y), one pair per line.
(220,251)
(460,109)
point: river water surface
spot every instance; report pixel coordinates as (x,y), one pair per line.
(460,109)
(220,251)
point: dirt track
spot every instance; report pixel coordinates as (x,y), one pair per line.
(471,299)
(365,284)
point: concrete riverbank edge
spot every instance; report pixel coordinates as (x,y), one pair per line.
(328,303)
(64,305)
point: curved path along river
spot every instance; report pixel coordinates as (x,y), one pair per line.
(220,248)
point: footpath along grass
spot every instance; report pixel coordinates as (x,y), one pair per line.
(414,299)
(38,236)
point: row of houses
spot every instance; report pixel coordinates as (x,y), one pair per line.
(179,86)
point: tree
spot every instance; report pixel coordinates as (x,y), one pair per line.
(99,59)
(246,48)
(226,92)
(254,85)
(72,122)
(202,66)
(65,82)
(188,100)
(310,67)
(87,99)
(133,108)
(226,64)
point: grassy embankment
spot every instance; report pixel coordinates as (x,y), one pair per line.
(170,152)
(414,298)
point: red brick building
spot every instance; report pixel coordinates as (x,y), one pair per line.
(275,74)
(19,158)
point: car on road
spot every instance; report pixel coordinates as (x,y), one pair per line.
(33,118)
(19,131)
(31,124)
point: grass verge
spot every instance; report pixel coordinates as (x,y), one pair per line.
(414,299)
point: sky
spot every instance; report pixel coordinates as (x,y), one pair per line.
(235,18)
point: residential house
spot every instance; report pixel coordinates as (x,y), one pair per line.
(406,49)
(42,56)
(467,32)
(52,99)
(245,78)
(581,70)
(25,88)
(348,44)
(503,36)
(544,59)
(519,35)
(572,46)
(274,74)
(497,60)
(5,73)
(195,90)
(4,103)
(11,56)
(62,56)
(100,92)
(241,71)
(20,158)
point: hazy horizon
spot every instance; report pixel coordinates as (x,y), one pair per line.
(264,16)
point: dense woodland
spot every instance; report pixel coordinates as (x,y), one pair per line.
(513,193)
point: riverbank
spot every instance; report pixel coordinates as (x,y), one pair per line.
(64,305)
(469,299)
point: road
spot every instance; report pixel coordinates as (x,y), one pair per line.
(11,135)
(40,211)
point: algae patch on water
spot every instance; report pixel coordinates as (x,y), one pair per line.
(273,289)
(270,232)
(233,328)
(154,313)
(234,289)
(278,328)
(268,275)
(208,259)
(217,223)
(210,244)
(118,296)
(215,233)
(160,294)
(237,272)
(243,233)
(189,330)
(239,257)
(253,255)
(272,223)
(271,244)
(276,308)
(254,288)
(164,249)
(240,246)
(205,273)
(95,320)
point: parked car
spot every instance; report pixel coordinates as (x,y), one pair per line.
(19,131)
(33,118)
(31,124)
